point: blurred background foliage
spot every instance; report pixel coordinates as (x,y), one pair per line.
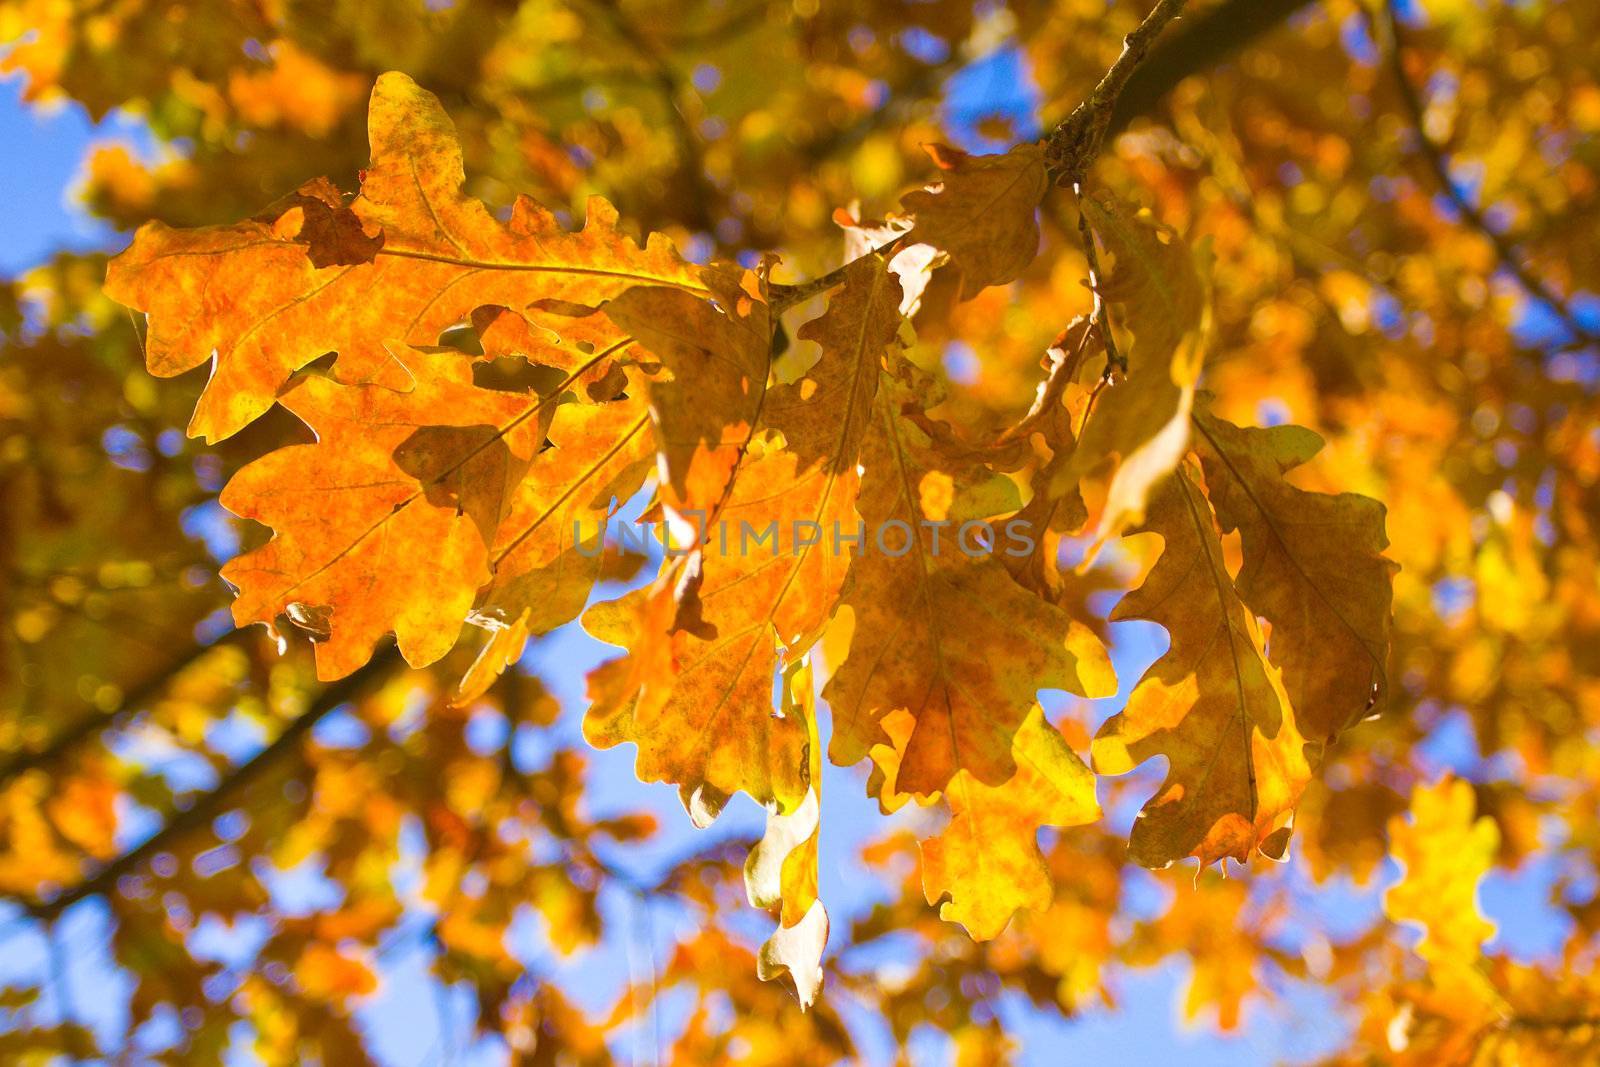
(210,858)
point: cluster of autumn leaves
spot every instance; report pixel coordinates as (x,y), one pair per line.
(502,387)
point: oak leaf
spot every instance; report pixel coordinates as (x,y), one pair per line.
(983,214)
(506,643)
(781,871)
(762,568)
(385,522)
(986,864)
(1313,568)
(326,974)
(261,299)
(1212,704)
(1051,514)
(1142,421)
(941,633)
(715,359)
(1446,853)
(549,549)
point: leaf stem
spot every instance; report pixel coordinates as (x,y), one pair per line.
(1075,143)
(1100,313)
(785,297)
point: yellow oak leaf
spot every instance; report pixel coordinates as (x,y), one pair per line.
(504,648)
(1212,705)
(1212,920)
(781,871)
(986,864)
(1446,853)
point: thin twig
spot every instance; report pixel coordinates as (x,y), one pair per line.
(785,297)
(1438,162)
(1199,42)
(1100,313)
(1074,145)
(1575,1022)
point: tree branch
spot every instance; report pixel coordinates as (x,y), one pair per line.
(1190,46)
(210,805)
(1069,151)
(19,763)
(1575,1022)
(1195,44)
(1072,146)
(731,27)
(1387,33)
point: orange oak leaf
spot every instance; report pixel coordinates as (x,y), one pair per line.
(549,549)
(544,350)
(983,214)
(698,709)
(326,974)
(986,864)
(760,573)
(408,258)
(944,633)
(1313,568)
(714,735)
(1212,704)
(298,91)
(715,359)
(1051,515)
(385,522)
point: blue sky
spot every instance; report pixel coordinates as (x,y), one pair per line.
(44,151)
(411,1023)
